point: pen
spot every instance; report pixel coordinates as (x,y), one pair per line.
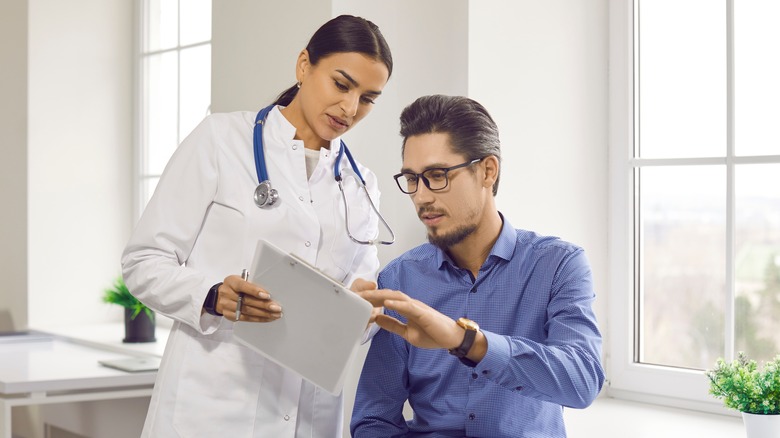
(240,301)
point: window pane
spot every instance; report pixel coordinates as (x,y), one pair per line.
(160,110)
(195,21)
(756,77)
(682,74)
(757,306)
(195,87)
(162,24)
(682,253)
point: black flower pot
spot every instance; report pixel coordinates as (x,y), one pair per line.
(140,329)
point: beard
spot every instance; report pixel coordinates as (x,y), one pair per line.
(445,241)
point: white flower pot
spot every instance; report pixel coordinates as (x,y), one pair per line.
(761,426)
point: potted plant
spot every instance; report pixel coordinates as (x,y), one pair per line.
(139,319)
(755,392)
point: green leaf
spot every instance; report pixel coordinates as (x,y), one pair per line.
(120,295)
(745,387)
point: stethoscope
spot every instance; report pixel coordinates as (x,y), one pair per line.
(265,196)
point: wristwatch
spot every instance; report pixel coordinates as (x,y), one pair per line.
(210,304)
(471,328)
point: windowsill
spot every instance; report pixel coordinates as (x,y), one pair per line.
(613,418)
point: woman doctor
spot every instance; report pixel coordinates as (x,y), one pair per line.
(202,225)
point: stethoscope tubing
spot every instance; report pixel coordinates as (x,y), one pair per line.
(265,195)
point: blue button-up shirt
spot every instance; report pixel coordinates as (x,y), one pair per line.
(532,300)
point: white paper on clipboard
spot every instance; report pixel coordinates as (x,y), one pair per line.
(322,324)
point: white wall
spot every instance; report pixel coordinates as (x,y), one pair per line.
(255,44)
(80,132)
(540,68)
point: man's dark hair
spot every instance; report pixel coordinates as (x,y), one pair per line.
(471,130)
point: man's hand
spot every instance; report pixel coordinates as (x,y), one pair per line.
(359,286)
(425,328)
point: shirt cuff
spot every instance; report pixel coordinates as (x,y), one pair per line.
(369,333)
(209,323)
(497,354)
(495,364)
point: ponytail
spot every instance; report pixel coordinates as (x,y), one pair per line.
(287,96)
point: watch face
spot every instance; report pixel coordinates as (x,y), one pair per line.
(468,324)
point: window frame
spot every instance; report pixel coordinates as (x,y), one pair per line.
(629,379)
(141,173)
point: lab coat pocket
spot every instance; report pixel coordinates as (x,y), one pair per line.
(218,388)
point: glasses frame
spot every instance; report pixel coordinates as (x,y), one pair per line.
(427,182)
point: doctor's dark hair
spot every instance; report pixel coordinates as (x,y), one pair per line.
(472,131)
(344,34)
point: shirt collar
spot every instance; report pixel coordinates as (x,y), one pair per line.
(282,132)
(277,129)
(504,247)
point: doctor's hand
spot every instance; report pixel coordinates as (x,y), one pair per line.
(360,285)
(425,327)
(256,305)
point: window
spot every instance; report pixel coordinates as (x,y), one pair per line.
(175,82)
(695,192)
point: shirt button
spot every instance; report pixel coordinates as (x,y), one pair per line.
(474,375)
(472,416)
(308,244)
(295,147)
(519,388)
(300,198)
(286,418)
(485,372)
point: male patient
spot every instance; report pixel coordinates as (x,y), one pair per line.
(493,332)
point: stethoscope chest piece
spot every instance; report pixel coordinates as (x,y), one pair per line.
(265,196)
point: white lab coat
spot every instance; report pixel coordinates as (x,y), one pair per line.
(202,225)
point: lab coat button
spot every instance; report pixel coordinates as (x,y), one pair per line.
(300,198)
(308,244)
(295,147)
(286,418)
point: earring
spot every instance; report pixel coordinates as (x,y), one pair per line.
(298,84)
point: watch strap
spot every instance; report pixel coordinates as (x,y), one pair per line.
(468,340)
(210,304)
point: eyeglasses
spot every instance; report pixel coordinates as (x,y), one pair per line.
(435,179)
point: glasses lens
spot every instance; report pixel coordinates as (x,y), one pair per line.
(407,182)
(437,178)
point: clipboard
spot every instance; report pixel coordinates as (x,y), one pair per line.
(322,324)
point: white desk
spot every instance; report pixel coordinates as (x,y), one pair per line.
(42,370)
